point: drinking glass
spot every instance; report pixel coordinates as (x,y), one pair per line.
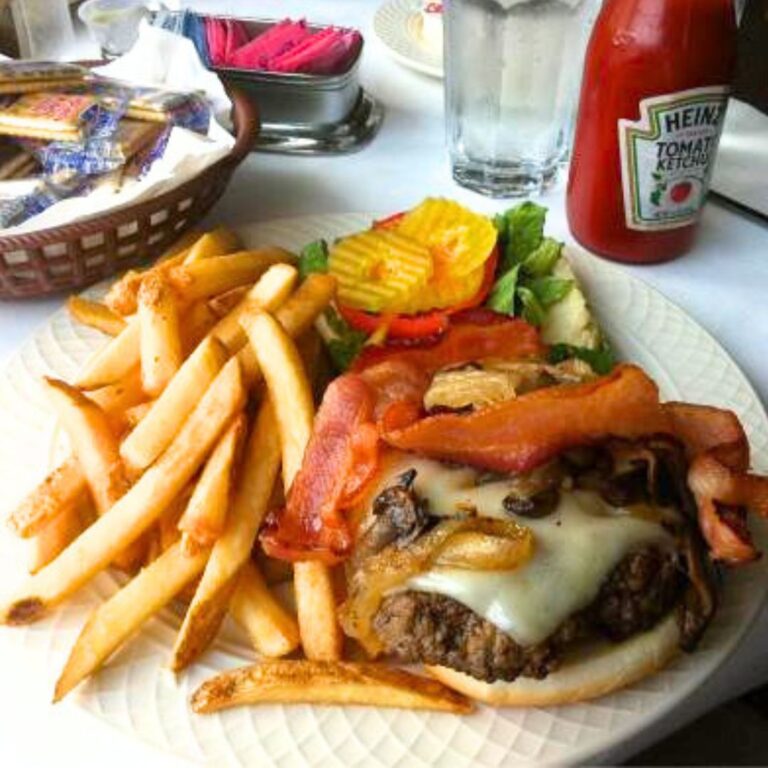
(44,29)
(113,24)
(512,75)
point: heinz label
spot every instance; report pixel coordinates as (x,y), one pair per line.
(667,157)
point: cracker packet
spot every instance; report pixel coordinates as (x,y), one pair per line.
(156,105)
(29,76)
(98,154)
(58,117)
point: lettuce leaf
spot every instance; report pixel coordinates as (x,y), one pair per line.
(532,310)
(313,258)
(521,230)
(542,260)
(345,344)
(526,286)
(502,296)
(550,290)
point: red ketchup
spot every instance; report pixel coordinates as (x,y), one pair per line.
(653,99)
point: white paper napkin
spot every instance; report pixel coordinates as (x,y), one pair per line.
(741,166)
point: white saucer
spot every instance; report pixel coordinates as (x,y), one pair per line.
(398,24)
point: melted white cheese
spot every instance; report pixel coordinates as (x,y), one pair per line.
(576,548)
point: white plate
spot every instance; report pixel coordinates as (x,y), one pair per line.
(397,24)
(135,692)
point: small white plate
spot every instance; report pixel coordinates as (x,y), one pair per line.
(397,24)
(138,694)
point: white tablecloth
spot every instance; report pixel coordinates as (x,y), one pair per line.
(722,283)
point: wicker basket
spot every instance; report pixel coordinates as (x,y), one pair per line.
(75,255)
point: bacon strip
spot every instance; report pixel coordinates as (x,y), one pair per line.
(396,382)
(718,454)
(727,537)
(384,402)
(311,526)
(518,435)
(341,458)
(702,428)
(464,342)
(365,446)
(343,452)
(710,478)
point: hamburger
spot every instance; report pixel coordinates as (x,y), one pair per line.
(544,587)
(531,532)
(515,512)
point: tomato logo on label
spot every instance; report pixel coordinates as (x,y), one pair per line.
(681,191)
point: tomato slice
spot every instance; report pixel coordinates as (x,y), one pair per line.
(472,335)
(425,325)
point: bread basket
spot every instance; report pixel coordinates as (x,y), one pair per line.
(75,255)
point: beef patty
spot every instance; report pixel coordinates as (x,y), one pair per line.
(433,629)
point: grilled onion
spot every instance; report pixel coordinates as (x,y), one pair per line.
(495,545)
(392,567)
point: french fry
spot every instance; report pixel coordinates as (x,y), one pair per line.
(296,316)
(60,491)
(113,362)
(204,517)
(55,537)
(287,383)
(150,546)
(224,303)
(303,308)
(160,341)
(318,682)
(196,324)
(165,532)
(180,248)
(272,630)
(95,315)
(133,415)
(218,242)
(271,291)
(114,621)
(291,395)
(66,485)
(199,629)
(232,549)
(122,296)
(209,277)
(140,551)
(166,417)
(321,636)
(167,526)
(114,399)
(138,509)
(93,442)
(193,282)
(135,555)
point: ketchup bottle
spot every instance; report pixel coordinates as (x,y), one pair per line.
(653,99)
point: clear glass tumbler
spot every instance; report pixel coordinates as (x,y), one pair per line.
(113,24)
(512,74)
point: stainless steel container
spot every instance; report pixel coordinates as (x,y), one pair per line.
(305,114)
(317,100)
